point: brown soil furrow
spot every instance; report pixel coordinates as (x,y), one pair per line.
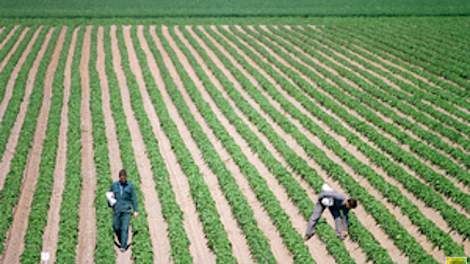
(279,251)
(198,247)
(114,152)
(397,213)
(386,80)
(6,59)
(150,197)
(50,236)
(405,147)
(15,131)
(8,36)
(87,221)
(419,77)
(14,74)
(405,167)
(390,244)
(235,234)
(15,241)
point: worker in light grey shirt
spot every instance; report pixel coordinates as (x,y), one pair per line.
(339,207)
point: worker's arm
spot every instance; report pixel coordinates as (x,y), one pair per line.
(134,199)
(345,219)
(338,222)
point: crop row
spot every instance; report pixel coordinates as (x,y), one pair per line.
(419,189)
(259,246)
(438,182)
(416,146)
(438,118)
(433,53)
(39,208)
(390,192)
(69,211)
(395,54)
(142,248)
(423,134)
(11,191)
(104,252)
(297,194)
(380,214)
(13,106)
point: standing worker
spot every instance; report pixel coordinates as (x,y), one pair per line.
(339,207)
(122,198)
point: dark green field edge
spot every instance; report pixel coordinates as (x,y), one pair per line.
(12,188)
(45,182)
(438,182)
(346,70)
(380,214)
(217,238)
(13,106)
(104,252)
(392,193)
(420,190)
(69,210)
(142,245)
(173,215)
(437,117)
(297,194)
(240,208)
(412,56)
(398,57)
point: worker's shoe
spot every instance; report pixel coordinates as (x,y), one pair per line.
(307,237)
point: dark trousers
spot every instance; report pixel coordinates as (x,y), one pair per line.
(121,222)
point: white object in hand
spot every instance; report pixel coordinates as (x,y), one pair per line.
(111,199)
(327,201)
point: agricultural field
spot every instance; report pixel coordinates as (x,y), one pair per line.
(228,131)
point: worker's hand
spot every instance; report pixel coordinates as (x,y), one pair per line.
(344,234)
(136,214)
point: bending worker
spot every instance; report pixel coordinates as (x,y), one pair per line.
(339,207)
(122,198)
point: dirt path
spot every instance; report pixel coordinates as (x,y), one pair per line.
(87,221)
(15,241)
(15,132)
(50,236)
(6,59)
(317,249)
(403,166)
(114,152)
(151,202)
(198,247)
(234,233)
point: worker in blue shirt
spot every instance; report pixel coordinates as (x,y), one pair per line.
(125,201)
(339,207)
